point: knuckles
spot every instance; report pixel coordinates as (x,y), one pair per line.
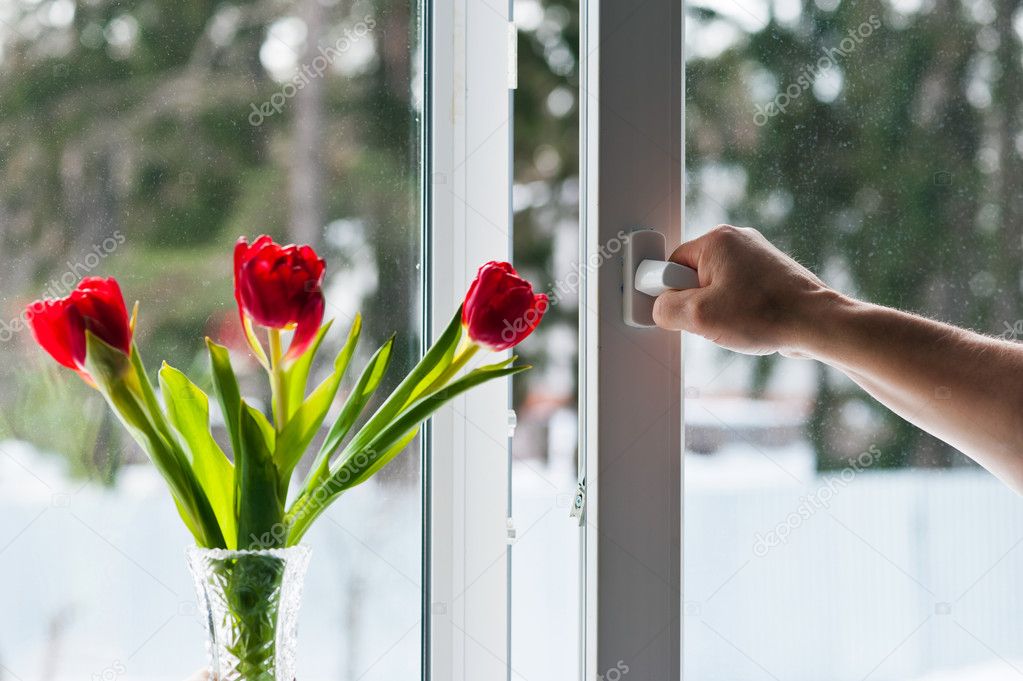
(728,235)
(699,313)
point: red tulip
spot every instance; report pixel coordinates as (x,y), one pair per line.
(500,309)
(96,305)
(279,287)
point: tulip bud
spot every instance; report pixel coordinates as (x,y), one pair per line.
(500,308)
(96,305)
(278,287)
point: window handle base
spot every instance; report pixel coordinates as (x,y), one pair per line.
(647,275)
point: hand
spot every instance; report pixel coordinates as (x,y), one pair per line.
(752,297)
(201,675)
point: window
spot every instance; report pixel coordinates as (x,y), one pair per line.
(545,577)
(139,141)
(879,143)
(876,140)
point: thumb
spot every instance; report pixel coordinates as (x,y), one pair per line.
(690,253)
(681,310)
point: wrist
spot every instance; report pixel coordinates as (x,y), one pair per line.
(822,325)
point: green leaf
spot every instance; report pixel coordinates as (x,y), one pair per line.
(449,342)
(303,425)
(126,396)
(259,508)
(433,363)
(105,363)
(225,385)
(389,454)
(380,446)
(188,409)
(296,376)
(189,521)
(359,465)
(364,388)
(148,394)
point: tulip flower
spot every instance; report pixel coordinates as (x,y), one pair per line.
(278,287)
(241,501)
(500,308)
(96,305)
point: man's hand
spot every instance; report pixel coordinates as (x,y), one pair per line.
(960,386)
(752,297)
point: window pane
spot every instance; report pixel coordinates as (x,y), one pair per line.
(545,582)
(139,140)
(879,143)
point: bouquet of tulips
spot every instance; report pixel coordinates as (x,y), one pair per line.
(242,502)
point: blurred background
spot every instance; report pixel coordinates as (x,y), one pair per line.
(879,142)
(875,140)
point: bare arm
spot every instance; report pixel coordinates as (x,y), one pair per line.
(960,386)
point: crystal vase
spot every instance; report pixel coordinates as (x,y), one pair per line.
(250,602)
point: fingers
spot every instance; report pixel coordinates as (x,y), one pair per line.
(202,675)
(692,253)
(680,310)
(689,253)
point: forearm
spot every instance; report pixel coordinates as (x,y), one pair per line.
(962,387)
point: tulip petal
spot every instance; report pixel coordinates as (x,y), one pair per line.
(60,330)
(241,254)
(101,304)
(308,325)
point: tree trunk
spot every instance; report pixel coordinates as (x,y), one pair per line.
(307,209)
(1008,95)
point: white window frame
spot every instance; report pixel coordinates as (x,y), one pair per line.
(630,379)
(469,212)
(631,108)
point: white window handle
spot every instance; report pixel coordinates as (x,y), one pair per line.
(646,275)
(654,277)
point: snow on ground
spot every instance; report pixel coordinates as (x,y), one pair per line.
(890,576)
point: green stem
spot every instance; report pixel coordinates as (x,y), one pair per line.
(462,357)
(277,387)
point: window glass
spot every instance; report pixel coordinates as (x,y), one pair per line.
(139,140)
(545,579)
(879,143)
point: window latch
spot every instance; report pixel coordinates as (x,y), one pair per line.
(579,503)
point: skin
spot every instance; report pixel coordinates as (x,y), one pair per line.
(960,386)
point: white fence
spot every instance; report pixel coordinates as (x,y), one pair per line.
(904,575)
